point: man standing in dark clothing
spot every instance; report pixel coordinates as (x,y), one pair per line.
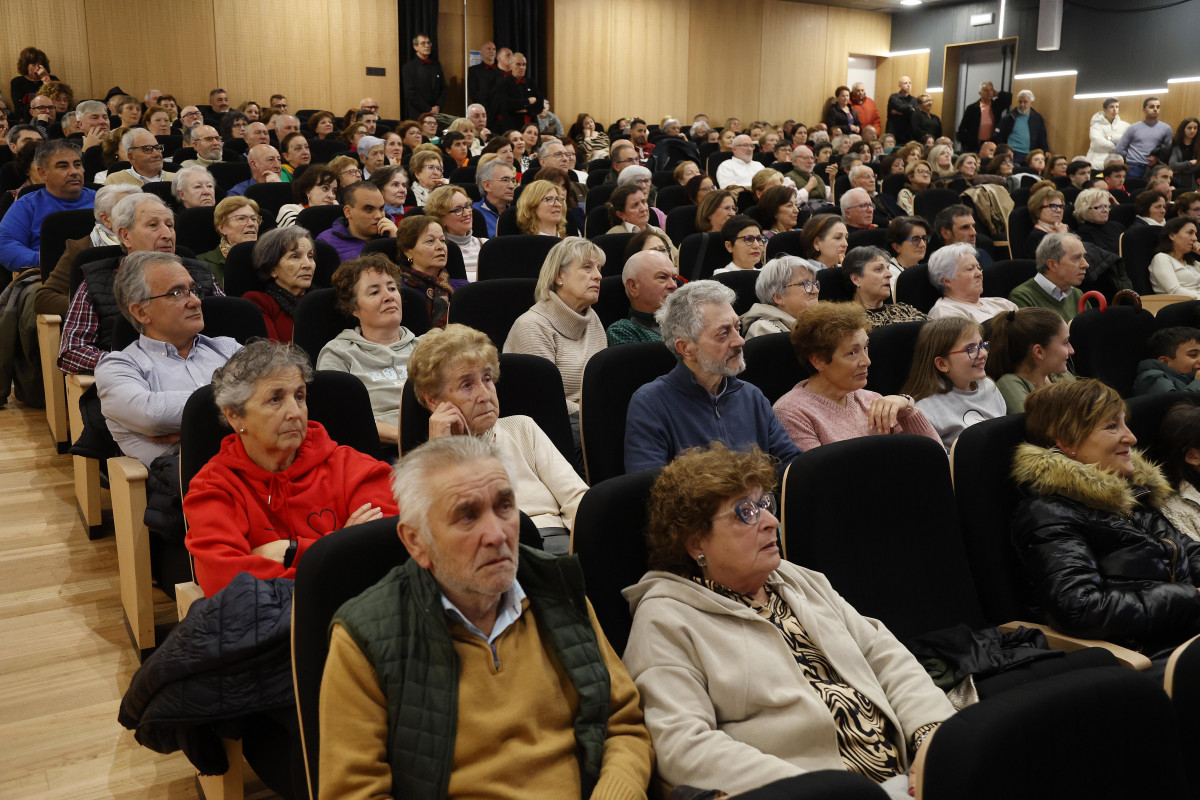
(923,121)
(422,80)
(518,101)
(484,77)
(901,104)
(981,120)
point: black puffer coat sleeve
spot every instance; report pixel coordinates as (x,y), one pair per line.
(1102,575)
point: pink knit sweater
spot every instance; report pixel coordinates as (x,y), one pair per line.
(813,420)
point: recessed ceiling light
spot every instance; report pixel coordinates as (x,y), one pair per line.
(910,2)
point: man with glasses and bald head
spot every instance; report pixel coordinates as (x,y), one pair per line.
(145,158)
(740,169)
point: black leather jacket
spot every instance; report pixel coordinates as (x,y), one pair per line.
(1101,560)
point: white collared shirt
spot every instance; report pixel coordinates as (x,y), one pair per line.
(143,179)
(507,614)
(1049,288)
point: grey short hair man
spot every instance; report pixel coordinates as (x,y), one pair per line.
(471,596)
(649,278)
(1061,267)
(701,400)
(144,387)
(623,155)
(497,185)
(857,208)
(145,158)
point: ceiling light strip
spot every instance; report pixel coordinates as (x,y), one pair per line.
(1062,73)
(1129,93)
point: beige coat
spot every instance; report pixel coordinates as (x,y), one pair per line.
(556,332)
(725,703)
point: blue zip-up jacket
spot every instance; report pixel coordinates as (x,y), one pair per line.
(673,413)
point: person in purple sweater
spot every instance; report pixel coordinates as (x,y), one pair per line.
(364,220)
(834,403)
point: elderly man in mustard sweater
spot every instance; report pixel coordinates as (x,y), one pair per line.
(478,667)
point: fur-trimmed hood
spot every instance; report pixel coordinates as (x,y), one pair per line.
(1046,471)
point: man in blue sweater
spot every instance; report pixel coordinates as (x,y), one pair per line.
(701,400)
(1141,139)
(60,166)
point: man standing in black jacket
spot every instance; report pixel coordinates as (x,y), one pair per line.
(981,120)
(518,101)
(484,77)
(422,80)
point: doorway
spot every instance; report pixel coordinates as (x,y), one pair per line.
(968,65)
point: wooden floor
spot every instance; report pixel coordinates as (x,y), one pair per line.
(65,656)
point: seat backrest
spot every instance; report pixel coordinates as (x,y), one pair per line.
(713,162)
(873,237)
(492,306)
(610,540)
(681,223)
(771,365)
(878,567)
(1138,246)
(456,266)
(463,175)
(240,276)
(518,256)
(162,190)
(613,245)
(891,348)
(742,282)
(318,320)
(597,222)
(1001,277)
(1182,683)
(228,174)
(928,203)
(609,381)
(892,184)
(913,287)
(1145,417)
(1020,224)
(613,303)
(318,219)
(1185,314)
(337,400)
(1109,344)
(701,254)
(786,243)
(506,223)
(986,496)
(323,150)
(598,195)
(836,286)
(1048,723)
(1124,213)
(525,389)
(57,228)
(194,229)
(669,197)
(270,197)
(234,317)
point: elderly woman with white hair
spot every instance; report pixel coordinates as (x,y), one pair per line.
(955,270)
(562,326)
(194,187)
(53,295)
(1094,224)
(641,177)
(786,287)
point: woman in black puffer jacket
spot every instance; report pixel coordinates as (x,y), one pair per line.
(1102,561)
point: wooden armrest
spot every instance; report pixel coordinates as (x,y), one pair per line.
(129,469)
(127,482)
(1060,641)
(49,319)
(185,595)
(81,382)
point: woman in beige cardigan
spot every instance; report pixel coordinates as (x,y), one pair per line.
(561,326)
(752,669)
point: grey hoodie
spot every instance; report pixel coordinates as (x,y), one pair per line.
(382,367)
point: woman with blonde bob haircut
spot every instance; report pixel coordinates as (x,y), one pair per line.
(537,213)
(454,372)
(1101,559)
(835,691)
(562,326)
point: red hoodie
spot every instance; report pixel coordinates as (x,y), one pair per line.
(233,505)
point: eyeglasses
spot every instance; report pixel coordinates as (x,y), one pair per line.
(662,250)
(242,219)
(192,114)
(462,211)
(748,511)
(148,149)
(810,286)
(1099,209)
(181,294)
(973,350)
(505,180)
(41,108)
(919,239)
(864,206)
(1054,206)
(370,108)
(751,239)
(207,139)
(552,200)
(436,170)
(351,171)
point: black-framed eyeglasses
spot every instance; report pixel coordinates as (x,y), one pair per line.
(1054,206)
(149,149)
(461,211)
(752,239)
(748,511)
(973,350)
(809,286)
(181,294)
(914,239)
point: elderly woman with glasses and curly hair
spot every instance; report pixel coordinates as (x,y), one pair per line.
(826,688)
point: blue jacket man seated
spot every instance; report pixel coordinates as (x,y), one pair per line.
(477,668)
(701,400)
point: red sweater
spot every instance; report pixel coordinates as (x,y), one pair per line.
(233,505)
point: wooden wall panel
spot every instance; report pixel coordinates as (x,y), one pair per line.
(722,59)
(579,76)
(789,88)
(58,29)
(365,33)
(657,86)
(179,56)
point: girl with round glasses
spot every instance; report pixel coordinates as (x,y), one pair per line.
(948,379)
(825,688)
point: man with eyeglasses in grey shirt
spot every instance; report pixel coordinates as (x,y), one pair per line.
(145,159)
